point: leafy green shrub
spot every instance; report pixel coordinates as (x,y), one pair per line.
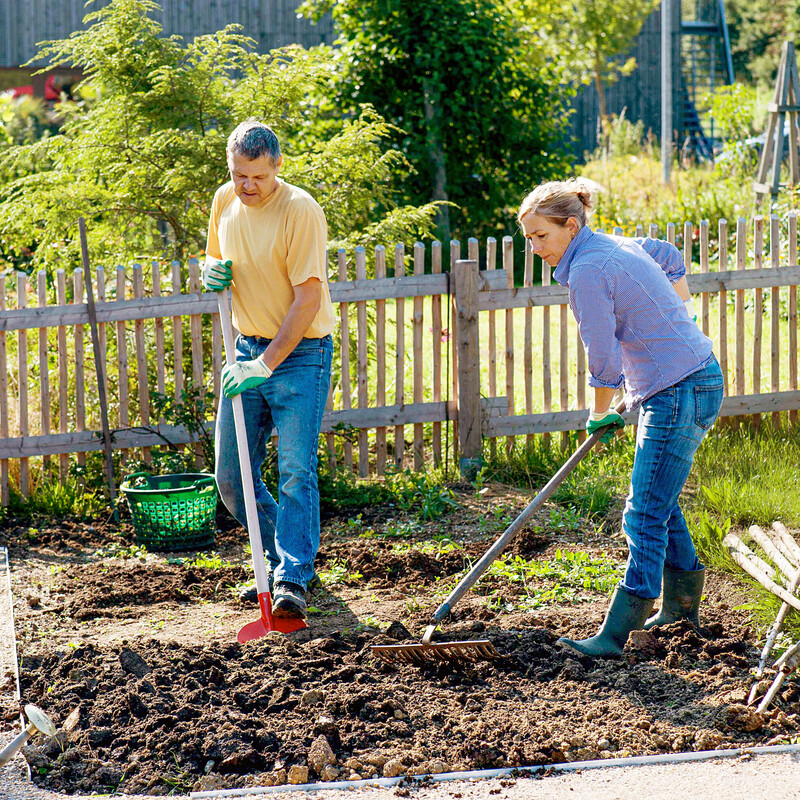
(58,499)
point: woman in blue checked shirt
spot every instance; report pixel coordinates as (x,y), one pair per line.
(631,302)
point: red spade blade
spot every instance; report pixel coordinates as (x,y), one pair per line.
(268,623)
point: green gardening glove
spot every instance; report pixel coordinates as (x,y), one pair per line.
(598,421)
(216,275)
(244,375)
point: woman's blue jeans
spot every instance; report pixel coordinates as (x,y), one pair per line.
(293,401)
(671,426)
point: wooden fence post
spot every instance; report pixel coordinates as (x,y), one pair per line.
(469,396)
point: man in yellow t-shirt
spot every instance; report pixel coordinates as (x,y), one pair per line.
(267,241)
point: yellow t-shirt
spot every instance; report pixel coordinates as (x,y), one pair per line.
(273,246)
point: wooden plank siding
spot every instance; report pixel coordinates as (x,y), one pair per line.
(271,23)
(395,354)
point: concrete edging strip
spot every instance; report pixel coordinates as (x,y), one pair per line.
(9,658)
(572,766)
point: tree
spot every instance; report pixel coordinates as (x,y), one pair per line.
(590,37)
(141,153)
(479,123)
(758,29)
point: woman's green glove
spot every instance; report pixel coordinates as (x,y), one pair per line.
(244,375)
(216,275)
(598,421)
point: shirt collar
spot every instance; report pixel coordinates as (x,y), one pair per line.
(561,272)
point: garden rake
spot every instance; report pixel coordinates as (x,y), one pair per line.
(267,623)
(428,651)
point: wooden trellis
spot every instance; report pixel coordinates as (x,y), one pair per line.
(784,106)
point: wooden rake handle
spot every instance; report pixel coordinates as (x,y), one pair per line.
(502,542)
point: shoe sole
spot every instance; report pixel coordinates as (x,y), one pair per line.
(287,612)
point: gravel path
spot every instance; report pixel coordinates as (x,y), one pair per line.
(764,777)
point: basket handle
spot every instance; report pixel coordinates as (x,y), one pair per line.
(134,475)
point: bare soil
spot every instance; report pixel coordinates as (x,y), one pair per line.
(137,658)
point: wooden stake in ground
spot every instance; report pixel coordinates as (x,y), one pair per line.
(98,365)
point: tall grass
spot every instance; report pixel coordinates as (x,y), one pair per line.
(749,474)
(592,487)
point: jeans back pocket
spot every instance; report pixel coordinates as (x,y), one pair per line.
(707,402)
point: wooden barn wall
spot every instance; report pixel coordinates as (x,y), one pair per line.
(638,93)
(272,23)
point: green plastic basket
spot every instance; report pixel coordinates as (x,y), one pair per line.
(172,512)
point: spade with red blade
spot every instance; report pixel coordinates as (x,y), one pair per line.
(267,623)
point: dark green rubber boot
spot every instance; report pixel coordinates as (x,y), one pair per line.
(627,613)
(681,597)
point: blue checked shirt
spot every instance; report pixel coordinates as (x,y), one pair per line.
(634,327)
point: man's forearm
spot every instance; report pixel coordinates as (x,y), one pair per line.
(294,327)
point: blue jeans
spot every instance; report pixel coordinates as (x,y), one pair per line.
(671,426)
(293,401)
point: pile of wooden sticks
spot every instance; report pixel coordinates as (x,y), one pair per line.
(779,572)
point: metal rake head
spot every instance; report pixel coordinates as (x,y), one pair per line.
(421,653)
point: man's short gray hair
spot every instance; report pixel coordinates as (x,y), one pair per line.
(253,139)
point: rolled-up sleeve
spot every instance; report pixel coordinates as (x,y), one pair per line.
(593,306)
(666,255)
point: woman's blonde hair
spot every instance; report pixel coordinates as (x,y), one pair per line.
(557,201)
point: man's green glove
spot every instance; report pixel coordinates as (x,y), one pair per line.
(216,275)
(244,375)
(597,421)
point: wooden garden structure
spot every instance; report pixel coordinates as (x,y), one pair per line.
(433,353)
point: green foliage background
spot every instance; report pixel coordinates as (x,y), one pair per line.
(142,151)
(481,120)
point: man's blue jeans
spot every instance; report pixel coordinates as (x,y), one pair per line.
(293,401)
(671,426)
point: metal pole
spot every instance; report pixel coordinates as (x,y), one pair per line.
(666,89)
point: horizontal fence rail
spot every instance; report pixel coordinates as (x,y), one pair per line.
(433,354)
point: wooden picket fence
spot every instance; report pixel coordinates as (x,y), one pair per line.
(486,358)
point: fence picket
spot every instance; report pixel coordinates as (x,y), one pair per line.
(22,378)
(758,309)
(63,377)
(491,263)
(80,364)
(5,494)
(436,332)
(102,335)
(793,312)
(775,313)
(455,255)
(704,300)
(563,335)
(177,338)
(508,266)
(419,269)
(361,366)
(44,367)
(380,366)
(161,373)
(344,331)
(741,263)
(196,326)
(141,359)
(723,306)
(547,390)
(196,330)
